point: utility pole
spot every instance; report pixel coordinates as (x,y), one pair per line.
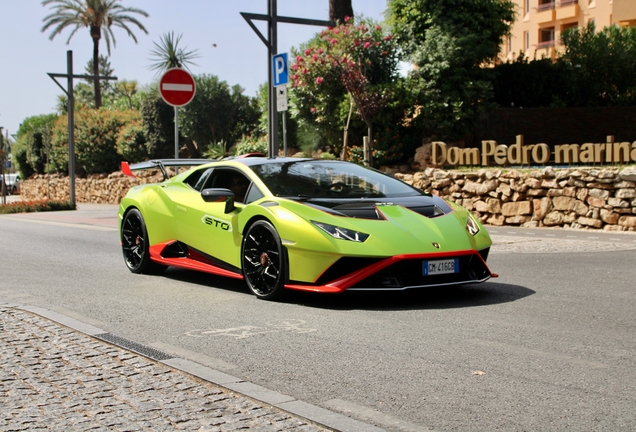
(71,114)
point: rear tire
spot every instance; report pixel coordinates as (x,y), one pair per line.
(136,246)
(263,261)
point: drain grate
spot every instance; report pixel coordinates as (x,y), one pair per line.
(134,347)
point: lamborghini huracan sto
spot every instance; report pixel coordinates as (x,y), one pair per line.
(299,224)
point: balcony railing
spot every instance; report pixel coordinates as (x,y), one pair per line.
(568,2)
(545,44)
(545,7)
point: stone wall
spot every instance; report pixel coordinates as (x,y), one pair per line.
(97,189)
(574,197)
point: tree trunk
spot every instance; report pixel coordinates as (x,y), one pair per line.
(339,9)
(345,140)
(96,33)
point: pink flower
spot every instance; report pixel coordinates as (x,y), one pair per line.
(295,66)
(320,51)
(299,58)
(313,110)
(319,80)
(334,41)
(367,44)
(307,52)
(378,28)
(347,18)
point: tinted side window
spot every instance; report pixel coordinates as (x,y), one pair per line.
(197,179)
(253,194)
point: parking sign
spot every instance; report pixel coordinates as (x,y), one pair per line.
(280,70)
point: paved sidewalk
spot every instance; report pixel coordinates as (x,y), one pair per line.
(55,378)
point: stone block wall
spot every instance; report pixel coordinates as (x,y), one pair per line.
(573,197)
(96,189)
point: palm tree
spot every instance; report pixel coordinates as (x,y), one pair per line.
(96,15)
(167,54)
(339,10)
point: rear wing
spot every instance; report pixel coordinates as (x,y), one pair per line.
(160,164)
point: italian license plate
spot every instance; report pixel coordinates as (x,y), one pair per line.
(431,268)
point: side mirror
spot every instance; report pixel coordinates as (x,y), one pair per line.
(219,195)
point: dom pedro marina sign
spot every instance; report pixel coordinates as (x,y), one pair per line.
(519,153)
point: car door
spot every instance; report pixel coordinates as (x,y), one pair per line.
(205,226)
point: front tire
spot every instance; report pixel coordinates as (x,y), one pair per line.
(263,261)
(136,246)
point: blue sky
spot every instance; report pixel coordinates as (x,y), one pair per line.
(239,57)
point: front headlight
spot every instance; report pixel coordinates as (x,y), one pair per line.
(471,225)
(342,233)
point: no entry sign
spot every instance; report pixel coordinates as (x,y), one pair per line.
(177,87)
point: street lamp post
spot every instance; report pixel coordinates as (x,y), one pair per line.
(71,113)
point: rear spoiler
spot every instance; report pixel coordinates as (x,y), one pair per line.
(161,164)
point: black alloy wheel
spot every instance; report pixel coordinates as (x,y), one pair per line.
(263,262)
(135,245)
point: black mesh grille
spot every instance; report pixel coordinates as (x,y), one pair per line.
(408,273)
(343,267)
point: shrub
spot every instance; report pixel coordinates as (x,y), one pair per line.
(35,206)
(251,145)
(131,142)
(96,133)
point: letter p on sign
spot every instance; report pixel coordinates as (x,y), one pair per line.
(279,67)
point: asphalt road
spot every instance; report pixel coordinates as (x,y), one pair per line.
(549,345)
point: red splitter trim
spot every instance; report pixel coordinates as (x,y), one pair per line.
(193,261)
(340,285)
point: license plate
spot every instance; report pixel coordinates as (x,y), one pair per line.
(430,268)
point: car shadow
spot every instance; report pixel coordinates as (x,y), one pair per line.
(451,297)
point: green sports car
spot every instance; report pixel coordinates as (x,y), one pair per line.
(300,224)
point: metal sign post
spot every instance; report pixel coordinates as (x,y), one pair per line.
(71,114)
(281,106)
(177,88)
(271,42)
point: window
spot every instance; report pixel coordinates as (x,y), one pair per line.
(527,6)
(526,40)
(198,177)
(546,38)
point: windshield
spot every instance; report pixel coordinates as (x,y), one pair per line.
(329,179)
